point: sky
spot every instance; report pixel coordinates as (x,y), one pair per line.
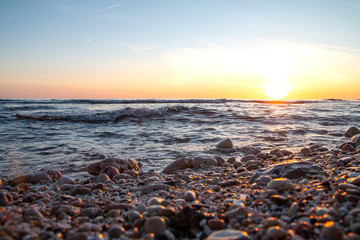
(241,49)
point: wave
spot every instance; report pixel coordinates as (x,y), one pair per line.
(149,101)
(107,116)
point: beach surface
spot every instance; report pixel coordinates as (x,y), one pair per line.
(313,193)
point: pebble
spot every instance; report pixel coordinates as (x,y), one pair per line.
(332,232)
(216,224)
(248,158)
(351,131)
(103,178)
(6,199)
(227,143)
(189,196)
(229,234)
(280,184)
(276,233)
(155,225)
(203,162)
(115,231)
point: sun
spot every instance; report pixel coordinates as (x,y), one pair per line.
(277,89)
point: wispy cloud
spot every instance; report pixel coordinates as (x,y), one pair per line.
(106,8)
(87,41)
(62,25)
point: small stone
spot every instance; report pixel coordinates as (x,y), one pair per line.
(155,186)
(227,143)
(110,171)
(90,212)
(216,224)
(305,152)
(229,234)
(155,225)
(154,201)
(261,155)
(87,226)
(203,162)
(293,209)
(189,196)
(355,228)
(355,139)
(116,231)
(351,131)
(332,232)
(179,164)
(113,213)
(133,215)
(280,184)
(122,165)
(248,158)
(64,180)
(6,199)
(103,178)
(276,233)
(33,213)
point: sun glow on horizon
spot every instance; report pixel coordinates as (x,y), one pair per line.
(277,89)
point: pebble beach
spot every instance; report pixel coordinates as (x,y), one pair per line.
(313,193)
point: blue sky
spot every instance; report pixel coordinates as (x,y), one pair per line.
(50,39)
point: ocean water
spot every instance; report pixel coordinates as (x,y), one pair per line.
(68,135)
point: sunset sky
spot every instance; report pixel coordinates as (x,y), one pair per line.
(179,49)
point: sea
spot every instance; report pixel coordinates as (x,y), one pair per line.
(70,134)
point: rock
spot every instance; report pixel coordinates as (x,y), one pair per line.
(121,165)
(154,201)
(351,131)
(122,176)
(248,158)
(355,228)
(90,212)
(305,152)
(89,227)
(332,232)
(280,184)
(293,170)
(179,164)
(276,233)
(220,160)
(155,225)
(38,177)
(261,155)
(68,209)
(113,213)
(133,215)
(33,213)
(355,139)
(216,224)
(153,187)
(189,196)
(6,199)
(110,171)
(116,231)
(203,162)
(228,234)
(119,206)
(227,143)
(103,178)
(64,180)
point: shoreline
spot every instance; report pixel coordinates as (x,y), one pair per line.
(311,194)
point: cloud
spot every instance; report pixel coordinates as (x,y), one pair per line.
(62,25)
(87,41)
(106,8)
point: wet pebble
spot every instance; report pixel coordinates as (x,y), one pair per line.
(229,234)
(189,196)
(155,225)
(6,199)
